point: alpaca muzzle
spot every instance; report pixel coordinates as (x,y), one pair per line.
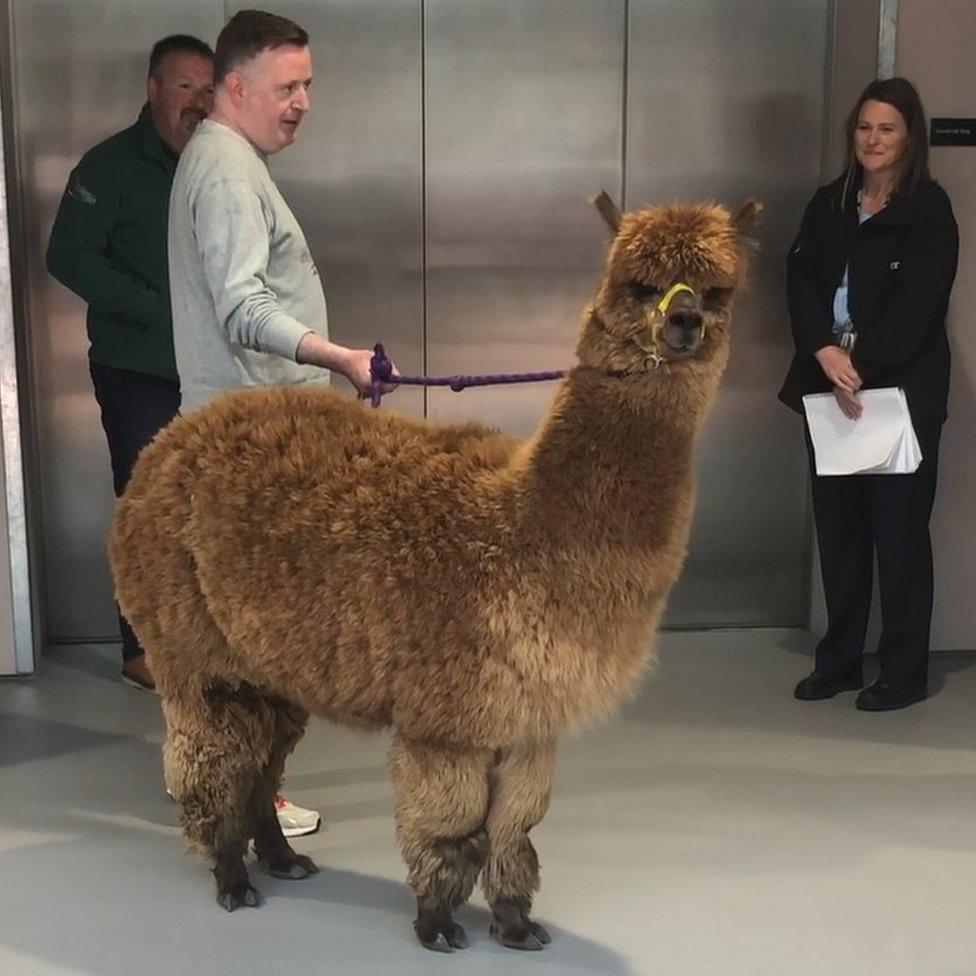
(673,327)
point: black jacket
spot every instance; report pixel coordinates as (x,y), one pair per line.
(902,265)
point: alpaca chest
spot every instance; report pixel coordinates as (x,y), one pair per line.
(572,683)
(510,687)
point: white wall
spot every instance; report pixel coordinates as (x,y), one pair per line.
(936,41)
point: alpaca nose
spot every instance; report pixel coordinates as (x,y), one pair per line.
(683,329)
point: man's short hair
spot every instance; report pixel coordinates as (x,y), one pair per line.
(177,44)
(248,33)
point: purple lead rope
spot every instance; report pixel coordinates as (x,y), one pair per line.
(381,372)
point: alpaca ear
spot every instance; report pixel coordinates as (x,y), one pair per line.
(609,211)
(746,217)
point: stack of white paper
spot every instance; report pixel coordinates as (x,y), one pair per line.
(881,441)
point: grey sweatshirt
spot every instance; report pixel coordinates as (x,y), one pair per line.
(243,285)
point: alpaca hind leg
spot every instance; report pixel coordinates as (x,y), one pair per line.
(271,847)
(441,799)
(216,746)
(521,783)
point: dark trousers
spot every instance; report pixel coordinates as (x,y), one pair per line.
(857,516)
(135,407)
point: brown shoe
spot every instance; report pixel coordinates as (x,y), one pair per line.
(136,674)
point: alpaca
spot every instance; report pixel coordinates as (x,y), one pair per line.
(286,552)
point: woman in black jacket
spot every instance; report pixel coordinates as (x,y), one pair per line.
(868,282)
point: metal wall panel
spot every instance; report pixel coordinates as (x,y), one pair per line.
(524,119)
(469,134)
(523,124)
(354,176)
(16,637)
(79,75)
(725,100)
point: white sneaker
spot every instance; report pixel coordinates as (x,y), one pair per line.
(296,821)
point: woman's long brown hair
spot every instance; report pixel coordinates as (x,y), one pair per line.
(902,95)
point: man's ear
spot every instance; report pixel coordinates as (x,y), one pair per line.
(234,83)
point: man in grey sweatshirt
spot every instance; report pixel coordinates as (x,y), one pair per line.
(248,304)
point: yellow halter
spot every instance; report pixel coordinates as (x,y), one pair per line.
(647,338)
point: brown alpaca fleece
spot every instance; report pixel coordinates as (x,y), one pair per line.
(285,551)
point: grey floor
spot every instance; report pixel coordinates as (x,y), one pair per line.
(717,827)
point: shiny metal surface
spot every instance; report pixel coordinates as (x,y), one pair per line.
(523,125)
(354,176)
(723,100)
(16,637)
(887,37)
(79,73)
(443,179)
(726,101)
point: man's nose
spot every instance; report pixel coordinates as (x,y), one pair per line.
(302,101)
(202,99)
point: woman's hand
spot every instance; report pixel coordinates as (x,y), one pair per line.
(849,403)
(837,366)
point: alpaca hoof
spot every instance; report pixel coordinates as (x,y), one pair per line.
(237,895)
(293,869)
(529,937)
(439,935)
(440,944)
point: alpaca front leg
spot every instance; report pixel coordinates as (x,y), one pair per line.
(441,798)
(521,784)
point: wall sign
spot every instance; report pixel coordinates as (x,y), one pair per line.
(953,132)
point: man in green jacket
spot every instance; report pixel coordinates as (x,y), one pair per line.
(108,245)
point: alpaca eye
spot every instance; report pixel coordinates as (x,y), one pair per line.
(717,297)
(644,293)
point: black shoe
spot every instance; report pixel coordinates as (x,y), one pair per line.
(883,697)
(817,685)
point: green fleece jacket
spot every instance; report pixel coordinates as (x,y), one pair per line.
(108,245)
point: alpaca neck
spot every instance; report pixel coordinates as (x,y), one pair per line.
(613,462)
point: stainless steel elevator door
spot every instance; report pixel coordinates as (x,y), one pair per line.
(79,75)
(353,178)
(523,124)
(442,179)
(725,100)
(525,118)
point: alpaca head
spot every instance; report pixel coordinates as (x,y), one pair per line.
(668,285)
